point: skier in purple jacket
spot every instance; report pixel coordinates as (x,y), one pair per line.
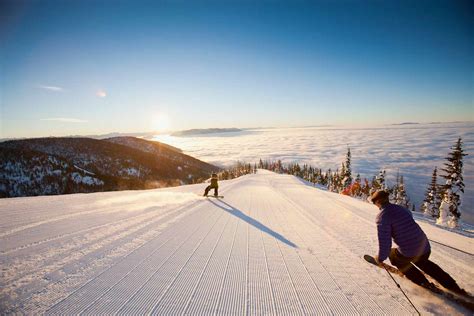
(395,221)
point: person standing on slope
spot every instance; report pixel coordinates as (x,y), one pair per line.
(213,185)
(395,221)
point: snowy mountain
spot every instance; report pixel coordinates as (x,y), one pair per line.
(273,245)
(45,166)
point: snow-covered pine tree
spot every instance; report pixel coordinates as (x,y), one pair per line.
(297,170)
(401,197)
(378,182)
(431,203)
(279,166)
(365,192)
(454,186)
(445,207)
(335,181)
(340,180)
(394,190)
(347,171)
(357,191)
(305,172)
(373,185)
(381,180)
(328,179)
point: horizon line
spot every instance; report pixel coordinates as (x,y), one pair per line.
(168,132)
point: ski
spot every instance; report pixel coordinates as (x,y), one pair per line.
(213,196)
(390,268)
(464,301)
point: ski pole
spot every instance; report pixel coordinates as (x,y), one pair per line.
(398,285)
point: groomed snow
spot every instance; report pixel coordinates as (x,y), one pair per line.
(274,245)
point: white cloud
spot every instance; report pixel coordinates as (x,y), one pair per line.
(51,88)
(64,120)
(101,93)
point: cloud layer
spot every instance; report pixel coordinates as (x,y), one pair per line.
(64,120)
(412,150)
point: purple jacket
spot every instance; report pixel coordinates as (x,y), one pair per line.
(397,222)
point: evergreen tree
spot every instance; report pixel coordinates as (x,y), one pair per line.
(365,192)
(378,182)
(445,218)
(304,172)
(373,185)
(357,190)
(431,203)
(454,186)
(401,197)
(347,172)
(279,166)
(329,179)
(381,180)
(394,190)
(336,181)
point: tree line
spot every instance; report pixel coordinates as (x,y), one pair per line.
(441,202)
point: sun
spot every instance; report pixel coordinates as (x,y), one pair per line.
(160,123)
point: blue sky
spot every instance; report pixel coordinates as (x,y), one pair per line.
(91,67)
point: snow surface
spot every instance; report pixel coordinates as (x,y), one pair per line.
(274,245)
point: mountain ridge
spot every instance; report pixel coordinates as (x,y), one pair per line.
(60,165)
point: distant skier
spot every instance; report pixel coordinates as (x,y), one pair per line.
(395,221)
(213,185)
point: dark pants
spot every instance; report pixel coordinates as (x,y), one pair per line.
(209,188)
(408,265)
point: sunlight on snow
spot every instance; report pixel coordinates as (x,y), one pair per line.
(133,201)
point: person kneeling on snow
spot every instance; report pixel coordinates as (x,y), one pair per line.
(395,221)
(213,185)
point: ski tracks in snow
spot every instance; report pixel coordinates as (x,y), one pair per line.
(272,246)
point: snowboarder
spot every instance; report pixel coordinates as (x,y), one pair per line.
(395,221)
(213,185)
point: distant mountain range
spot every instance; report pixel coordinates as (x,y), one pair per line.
(407,123)
(45,166)
(194,132)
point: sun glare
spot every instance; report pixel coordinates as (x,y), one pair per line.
(161,123)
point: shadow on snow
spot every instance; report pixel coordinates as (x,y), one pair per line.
(236,212)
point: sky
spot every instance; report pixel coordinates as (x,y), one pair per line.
(93,67)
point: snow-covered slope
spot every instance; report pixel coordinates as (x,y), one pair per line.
(273,245)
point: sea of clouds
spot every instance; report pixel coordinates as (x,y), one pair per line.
(413,150)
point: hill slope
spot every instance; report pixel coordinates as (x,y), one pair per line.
(273,245)
(45,166)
